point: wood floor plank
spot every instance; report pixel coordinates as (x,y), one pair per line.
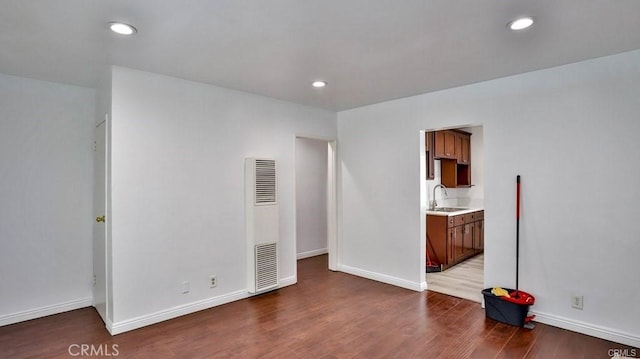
(464,280)
(520,344)
(326,315)
(493,343)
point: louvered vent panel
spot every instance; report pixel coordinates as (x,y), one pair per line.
(265,181)
(262,224)
(266,266)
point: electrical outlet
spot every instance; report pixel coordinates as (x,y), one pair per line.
(213,281)
(185,287)
(577,302)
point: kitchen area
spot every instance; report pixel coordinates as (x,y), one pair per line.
(455,212)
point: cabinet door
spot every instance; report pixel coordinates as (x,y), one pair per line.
(467,239)
(445,144)
(450,144)
(437,235)
(478,235)
(451,251)
(429,142)
(458,146)
(465,149)
(458,244)
(439,144)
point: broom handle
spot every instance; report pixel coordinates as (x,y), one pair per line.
(517,233)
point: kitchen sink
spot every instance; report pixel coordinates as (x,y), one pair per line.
(449,209)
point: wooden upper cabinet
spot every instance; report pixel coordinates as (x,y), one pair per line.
(450,144)
(465,149)
(439,144)
(453,148)
(453,144)
(445,144)
(429,144)
(458,144)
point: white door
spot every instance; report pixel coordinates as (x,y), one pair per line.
(99,224)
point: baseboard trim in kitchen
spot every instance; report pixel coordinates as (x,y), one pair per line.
(398,282)
(588,329)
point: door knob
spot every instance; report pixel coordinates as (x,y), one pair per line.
(100,219)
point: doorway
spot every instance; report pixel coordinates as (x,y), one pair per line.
(454,262)
(315,198)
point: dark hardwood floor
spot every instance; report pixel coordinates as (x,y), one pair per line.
(326,315)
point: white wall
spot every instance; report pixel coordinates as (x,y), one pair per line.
(311,197)
(178,151)
(46,141)
(571,132)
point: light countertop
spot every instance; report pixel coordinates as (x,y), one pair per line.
(454,213)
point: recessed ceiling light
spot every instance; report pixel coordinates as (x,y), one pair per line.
(122,28)
(520,23)
(319,84)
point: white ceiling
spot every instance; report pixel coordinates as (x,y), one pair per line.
(368,50)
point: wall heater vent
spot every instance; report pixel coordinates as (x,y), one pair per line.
(262,224)
(265,182)
(266,266)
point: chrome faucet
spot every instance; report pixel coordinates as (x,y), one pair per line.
(434,204)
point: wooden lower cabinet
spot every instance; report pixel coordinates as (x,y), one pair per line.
(467,239)
(478,235)
(453,239)
(456,241)
(451,246)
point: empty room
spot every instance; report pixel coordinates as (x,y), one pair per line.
(335,179)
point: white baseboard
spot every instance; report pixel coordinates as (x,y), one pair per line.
(161,316)
(588,329)
(45,311)
(284,282)
(313,253)
(398,282)
(556,321)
